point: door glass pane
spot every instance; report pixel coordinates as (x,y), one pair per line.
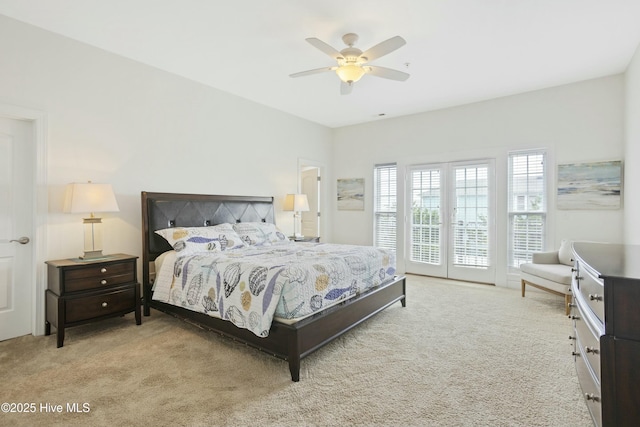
(471,221)
(426,226)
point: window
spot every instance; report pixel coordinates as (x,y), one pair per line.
(527,205)
(384,215)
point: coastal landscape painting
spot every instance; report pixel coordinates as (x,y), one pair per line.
(351,194)
(590,185)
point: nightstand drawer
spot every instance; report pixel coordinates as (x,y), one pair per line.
(88,307)
(99,276)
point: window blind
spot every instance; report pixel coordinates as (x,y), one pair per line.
(385,206)
(527,205)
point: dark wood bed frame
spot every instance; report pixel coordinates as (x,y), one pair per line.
(291,342)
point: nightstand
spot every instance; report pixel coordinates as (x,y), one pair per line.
(81,291)
(311,239)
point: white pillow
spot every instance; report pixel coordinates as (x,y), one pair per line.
(192,240)
(565,255)
(259,233)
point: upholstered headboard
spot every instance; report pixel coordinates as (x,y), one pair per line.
(166,210)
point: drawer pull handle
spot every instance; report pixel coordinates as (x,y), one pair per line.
(571,337)
(104,304)
(572,317)
(575,353)
(595,297)
(591,350)
(103,282)
(103,270)
(591,396)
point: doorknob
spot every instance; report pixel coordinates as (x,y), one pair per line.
(22,240)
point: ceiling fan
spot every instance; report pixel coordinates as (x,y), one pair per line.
(352,62)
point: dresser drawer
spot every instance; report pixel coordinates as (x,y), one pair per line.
(99,275)
(100,304)
(592,289)
(588,343)
(590,389)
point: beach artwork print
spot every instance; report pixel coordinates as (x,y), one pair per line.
(590,185)
(351,194)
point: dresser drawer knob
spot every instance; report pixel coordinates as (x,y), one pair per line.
(103,282)
(571,337)
(104,304)
(103,270)
(595,297)
(575,353)
(572,317)
(591,350)
(579,278)
(591,396)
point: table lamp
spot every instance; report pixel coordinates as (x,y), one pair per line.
(90,198)
(296,203)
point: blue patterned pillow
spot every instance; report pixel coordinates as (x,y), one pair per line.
(193,240)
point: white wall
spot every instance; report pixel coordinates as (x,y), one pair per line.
(580,122)
(632,152)
(117,121)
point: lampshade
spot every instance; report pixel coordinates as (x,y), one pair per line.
(350,73)
(90,198)
(296,203)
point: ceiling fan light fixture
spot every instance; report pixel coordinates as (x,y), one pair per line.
(350,73)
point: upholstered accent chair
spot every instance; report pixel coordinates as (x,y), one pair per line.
(551,272)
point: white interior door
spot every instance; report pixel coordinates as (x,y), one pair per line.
(310,186)
(450,222)
(16,225)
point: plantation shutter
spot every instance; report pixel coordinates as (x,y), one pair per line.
(527,205)
(385,183)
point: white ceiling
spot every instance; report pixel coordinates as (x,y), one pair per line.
(458,51)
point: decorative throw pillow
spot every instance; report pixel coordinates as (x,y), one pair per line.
(259,233)
(192,240)
(564,253)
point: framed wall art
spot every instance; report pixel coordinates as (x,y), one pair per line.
(590,185)
(351,194)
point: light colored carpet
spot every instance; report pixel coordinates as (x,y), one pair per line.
(459,354)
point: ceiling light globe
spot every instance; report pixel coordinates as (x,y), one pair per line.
(350,73)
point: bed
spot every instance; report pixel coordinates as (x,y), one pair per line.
(290,340)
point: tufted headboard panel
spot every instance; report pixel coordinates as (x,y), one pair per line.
(166,210)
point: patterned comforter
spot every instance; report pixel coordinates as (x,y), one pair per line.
(288,280)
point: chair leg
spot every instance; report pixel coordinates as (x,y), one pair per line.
(522,285)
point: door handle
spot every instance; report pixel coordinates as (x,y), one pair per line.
(22,240)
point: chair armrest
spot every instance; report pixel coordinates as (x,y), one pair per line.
(546,258)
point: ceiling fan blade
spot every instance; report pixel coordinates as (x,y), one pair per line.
(315,71)
(383,48)
(386,73)
(319,44)
(345,88)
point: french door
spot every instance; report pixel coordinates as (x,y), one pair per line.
(451,220)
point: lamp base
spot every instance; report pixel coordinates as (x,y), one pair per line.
(92,255)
